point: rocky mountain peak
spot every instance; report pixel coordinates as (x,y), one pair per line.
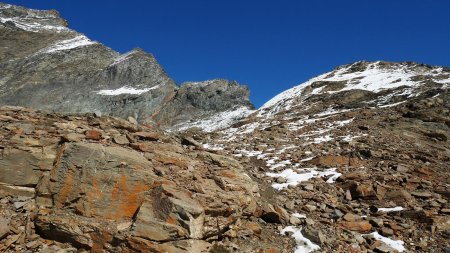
(42,58)
(21,18)
(380,78)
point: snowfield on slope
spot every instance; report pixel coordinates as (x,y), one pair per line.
(125,90)
(78,41)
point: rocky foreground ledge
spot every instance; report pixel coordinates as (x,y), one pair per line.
(100,184)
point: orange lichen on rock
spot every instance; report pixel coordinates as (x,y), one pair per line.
(66,189)
(93,195)
(126,200)
(57,162)
(171,220)
(99,239)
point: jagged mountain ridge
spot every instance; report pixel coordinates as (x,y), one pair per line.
(46,65)
(371,84)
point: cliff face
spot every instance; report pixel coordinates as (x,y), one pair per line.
(46,65)
(197,103)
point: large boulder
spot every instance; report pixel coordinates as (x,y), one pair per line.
(108,182)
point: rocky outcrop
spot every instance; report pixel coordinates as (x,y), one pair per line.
(46,65)
(105,184)
(195,102)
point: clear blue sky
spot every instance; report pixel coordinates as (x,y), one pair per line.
(268,45)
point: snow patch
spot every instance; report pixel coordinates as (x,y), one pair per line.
(78,41)
(5,6)
(349,138)
(299,215)
(330,111)
(304,245)
(125,90)
(374,78)
(29,24)
(122,58)
(293,178)
(213,146)
(307,159)
(395,244)
(271,161)
(284,148)
(280,164)
(391,209)
(391,105)
(325,138)
(249,153)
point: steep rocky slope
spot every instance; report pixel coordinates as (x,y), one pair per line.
(46,65)
(358,156)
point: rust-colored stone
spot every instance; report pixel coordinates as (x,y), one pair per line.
(271,250)
(93,135)
(99,240)
(360,226)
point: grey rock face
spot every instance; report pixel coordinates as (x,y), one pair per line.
(203,99)
(45,65)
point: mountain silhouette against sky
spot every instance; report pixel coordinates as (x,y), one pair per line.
(268,45)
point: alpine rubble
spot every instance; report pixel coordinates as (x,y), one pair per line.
(103,152)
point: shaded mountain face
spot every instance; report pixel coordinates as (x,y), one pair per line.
(208,105)
(46,65)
